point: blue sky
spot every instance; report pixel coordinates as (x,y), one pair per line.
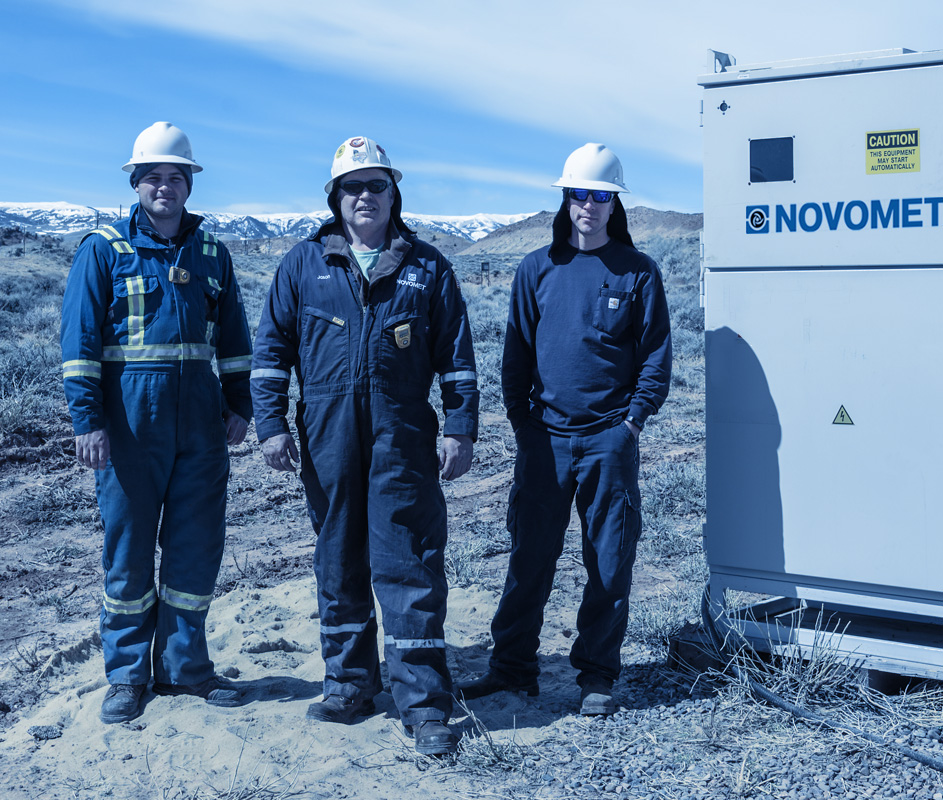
(478,103)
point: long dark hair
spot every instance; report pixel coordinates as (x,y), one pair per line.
(396,210)
(617,227)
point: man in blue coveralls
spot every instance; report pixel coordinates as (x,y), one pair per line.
(366,314)
(149,302)
(587,360)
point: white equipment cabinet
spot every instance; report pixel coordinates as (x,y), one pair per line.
(823,294)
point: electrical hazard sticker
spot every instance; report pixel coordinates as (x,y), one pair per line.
(892,152)
(842,418)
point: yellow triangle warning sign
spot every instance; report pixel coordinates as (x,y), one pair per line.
(842,418)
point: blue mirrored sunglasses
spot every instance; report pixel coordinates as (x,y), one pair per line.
(356,187)
(599,195)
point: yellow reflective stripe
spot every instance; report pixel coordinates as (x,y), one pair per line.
(237,364)
(188,602)
(158,352)
(114,238)
(135,309)
(80,368)
(210,326)
(209,244)
(215,284)
(113,606)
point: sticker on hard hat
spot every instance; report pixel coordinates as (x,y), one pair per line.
(340,152)
(356,142)
(889,152)
(853,215)
(359,157)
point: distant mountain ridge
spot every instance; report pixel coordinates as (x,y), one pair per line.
(478,234)
(63,219)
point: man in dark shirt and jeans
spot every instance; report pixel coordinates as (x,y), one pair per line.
(587,360)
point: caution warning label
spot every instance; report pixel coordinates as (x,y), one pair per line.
(890,152)
(842,418)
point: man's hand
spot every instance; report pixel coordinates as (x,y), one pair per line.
(93,449)
(236,427)
(455,457)
(280,452)
(636,430)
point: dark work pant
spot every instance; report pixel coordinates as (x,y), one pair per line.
(601,472)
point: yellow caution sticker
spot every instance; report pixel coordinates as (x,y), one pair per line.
(842,418)
(892,152)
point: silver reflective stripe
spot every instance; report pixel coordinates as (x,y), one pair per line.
(278,374)
(158,352)
(210,326)
(113,606)
(81,368)
(414,644)
(448,377)
(350,627)
(235,364)
(188,602)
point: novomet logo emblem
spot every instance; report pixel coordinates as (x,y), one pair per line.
(853,215)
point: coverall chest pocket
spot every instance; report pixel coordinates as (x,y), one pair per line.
(136,301)
(613,312)
(325,347)
(211,294)
(404,351)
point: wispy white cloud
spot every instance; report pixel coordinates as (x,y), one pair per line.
(624,72)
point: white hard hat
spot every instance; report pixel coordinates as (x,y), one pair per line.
(359,152)
(592,166)
(162,143)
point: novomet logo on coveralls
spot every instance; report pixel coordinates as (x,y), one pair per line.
(854,215)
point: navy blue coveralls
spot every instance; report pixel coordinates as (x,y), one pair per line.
(588,344)
(142,319)
(365,354)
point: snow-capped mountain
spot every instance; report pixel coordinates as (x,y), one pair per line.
(62,219)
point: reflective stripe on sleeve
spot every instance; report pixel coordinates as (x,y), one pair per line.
(449,377)
(113,606)
(234,364)
(80,368)
(210,327)
(414,644)
(188,602)
(278,374)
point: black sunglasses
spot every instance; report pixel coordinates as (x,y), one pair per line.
(356,187)
(599,195)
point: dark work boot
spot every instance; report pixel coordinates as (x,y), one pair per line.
(491,682)
(337,708)
(596,699)
(122,702)
(433,737)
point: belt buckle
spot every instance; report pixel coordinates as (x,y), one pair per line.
(178,275)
